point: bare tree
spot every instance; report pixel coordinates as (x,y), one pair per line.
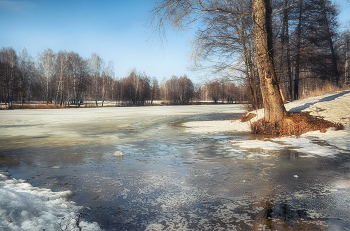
(344,49)
(24,75)
(76,65)
(273,104)
(108,73)
(96,65)
(155,91)
(178,14)
(62,63)
(9,73)
(47,67)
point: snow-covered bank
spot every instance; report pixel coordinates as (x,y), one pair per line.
(333,107)
(24,207)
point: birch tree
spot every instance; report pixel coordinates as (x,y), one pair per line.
(24,74)
(96,65)
(108,73)
(47,67)
(62,63)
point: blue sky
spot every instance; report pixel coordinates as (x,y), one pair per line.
(116,30)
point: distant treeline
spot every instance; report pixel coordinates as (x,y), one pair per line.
(67,78)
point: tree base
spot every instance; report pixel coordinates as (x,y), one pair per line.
(293,124)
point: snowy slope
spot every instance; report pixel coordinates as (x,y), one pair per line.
(333,107)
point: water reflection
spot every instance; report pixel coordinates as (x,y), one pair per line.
(8,160)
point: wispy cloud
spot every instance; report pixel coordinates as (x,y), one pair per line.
(21,7)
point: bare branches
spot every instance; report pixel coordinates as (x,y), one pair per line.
(286,7)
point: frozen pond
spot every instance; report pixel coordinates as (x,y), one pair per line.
(139,169)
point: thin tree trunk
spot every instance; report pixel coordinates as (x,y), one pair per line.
(289,69)
(297,59)
(286,45)
(346,81)
(250,76)
(273,104)
(331,45)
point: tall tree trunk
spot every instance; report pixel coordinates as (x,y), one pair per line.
(273,104)
(346,71)
(285,42)
(289,69)
(297,58)
(281,61)
(248,69)
(331,45)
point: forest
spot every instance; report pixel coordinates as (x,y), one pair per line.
(309,50)
(67,78)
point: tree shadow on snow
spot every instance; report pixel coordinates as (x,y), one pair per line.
(326,99)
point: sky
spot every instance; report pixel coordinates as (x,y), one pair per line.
(116,30)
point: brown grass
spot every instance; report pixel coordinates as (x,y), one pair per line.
(247,117)
(294,124)
(53,106)
(327,88)
(37,106)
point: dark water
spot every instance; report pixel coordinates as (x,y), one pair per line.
(169,179)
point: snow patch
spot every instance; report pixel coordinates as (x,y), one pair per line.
(118,153)
(260,144)
(24,207)
(305,145)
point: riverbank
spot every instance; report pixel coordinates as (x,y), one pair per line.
(333,107)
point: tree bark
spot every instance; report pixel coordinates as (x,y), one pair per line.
(297,59)
(331,45)
(289,68)
(272,100)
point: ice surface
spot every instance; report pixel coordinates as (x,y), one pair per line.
(24,207)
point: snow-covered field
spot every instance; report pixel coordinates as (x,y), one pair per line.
(333,107)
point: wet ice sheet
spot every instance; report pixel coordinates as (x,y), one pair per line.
(227,194)
(61,127)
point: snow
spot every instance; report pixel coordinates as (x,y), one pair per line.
(24,207)
(253,144)
(118,153)
(334,107)
(222,125)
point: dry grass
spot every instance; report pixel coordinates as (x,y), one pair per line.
(325,89)
(294,124)
(37,106)
(53,106)
(247,117)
